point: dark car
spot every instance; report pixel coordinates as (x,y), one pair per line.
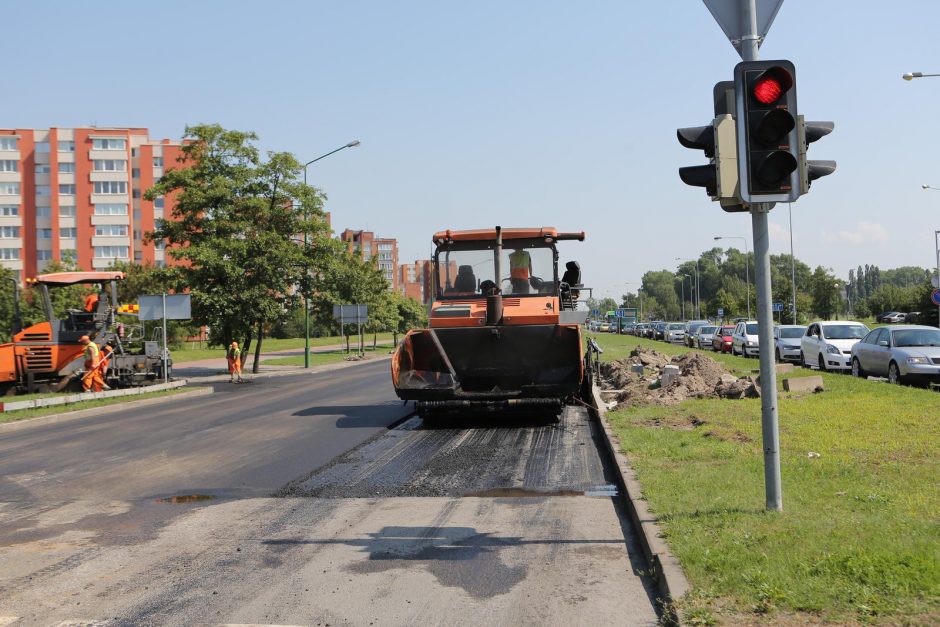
(722,340)
(884,315)
(659,330)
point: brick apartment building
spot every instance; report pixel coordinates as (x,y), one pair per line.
(78,192)
(383,250)
(414,279)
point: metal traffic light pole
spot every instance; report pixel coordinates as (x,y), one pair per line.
(770,432)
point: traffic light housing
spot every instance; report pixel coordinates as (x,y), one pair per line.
(717,141)
(767,131)
(812,169)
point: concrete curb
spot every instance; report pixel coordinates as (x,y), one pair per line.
(98,411)
(68,399)
(670,580)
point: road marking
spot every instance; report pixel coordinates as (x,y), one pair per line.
(8,620)
(80,622)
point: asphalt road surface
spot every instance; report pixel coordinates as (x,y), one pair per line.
(291,501)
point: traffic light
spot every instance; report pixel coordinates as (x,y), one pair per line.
(717,141)
(699,138)
(768,138)
(812,169)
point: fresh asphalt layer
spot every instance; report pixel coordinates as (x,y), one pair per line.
(290,501)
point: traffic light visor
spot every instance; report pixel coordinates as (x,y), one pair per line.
(772,84)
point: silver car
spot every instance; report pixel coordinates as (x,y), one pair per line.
(704,336)
(903,353)
(787,342)
(674,332)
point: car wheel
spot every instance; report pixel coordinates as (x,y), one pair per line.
(857,368)
(822,363)
(777,356)
(803,360)
(894,374)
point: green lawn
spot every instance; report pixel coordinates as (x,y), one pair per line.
(183,355)
(859,537)
(21,414)
(319,359)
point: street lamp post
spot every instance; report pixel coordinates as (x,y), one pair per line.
(747,265)
(351,144)
(909,76)
(691,300)
(639,293)
(697,303)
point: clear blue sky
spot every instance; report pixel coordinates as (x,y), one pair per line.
(523,113)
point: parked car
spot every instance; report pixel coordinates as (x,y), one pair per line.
(903,353)
(787,342)
(603,327)
(721,341)
(627,329)
(829,344)
(912,317)
(703,337)
(894,318)
(744,339)
(885,314)
(690,328)
(674,332)
(640,329)
(659,329)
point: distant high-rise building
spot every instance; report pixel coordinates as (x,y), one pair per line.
(415,279)
(77,193)
(383,250)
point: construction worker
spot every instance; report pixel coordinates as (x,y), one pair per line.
(234,356)
(91,303)
(92,380)
(107,351)
(520,270)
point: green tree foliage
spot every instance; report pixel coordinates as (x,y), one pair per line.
(887,297)
(349,280)
(236,222)
(824,287)
(662,287)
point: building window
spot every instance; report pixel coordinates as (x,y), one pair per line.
(158,162)
(135,173)
(66,146)
(43,233)
(68,232)
(9,232)
(43,212)
(111,210)
(135,193)
(10,189)
(159,244)
(133,152)
(138,256)
(8,143)
(67,189)
(110,165)
(10,165)
(111,230)
(65,168)
(110,187)
(136,215)
(111,252)
(43,168)
(158,202)
(66,211)
(386,246)
(42,147)
(109,143)
(9,210)
(43,255)
(42,190)
(9,253)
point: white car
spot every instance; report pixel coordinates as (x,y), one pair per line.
(744,339)
(787,339)
(828,344)
(703,337)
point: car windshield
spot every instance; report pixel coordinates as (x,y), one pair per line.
(790,333)
(468,269)
(916,337)
(726,331)
(845,332)
(676,326)
(707,330)
(751,329)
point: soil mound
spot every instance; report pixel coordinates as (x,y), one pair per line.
(700,376)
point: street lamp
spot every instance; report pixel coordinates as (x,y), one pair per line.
(936,246)
(909,76)
(689,276)
(747,265)
(698,290)
(351,144)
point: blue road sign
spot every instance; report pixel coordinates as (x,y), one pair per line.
(595,312)
(778,307)
(619,313)
(935,297)
(721,312)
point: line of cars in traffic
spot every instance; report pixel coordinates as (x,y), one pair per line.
(905,353)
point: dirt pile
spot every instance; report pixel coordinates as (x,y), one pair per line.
(700,376)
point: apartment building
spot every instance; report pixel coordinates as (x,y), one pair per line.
(384,250)
(414,279)
(77,193)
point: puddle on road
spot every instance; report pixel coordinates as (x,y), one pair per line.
(185,498)
(608,490)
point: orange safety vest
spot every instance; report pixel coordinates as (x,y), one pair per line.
(519,262)
(91,302)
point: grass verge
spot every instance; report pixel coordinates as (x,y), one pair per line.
(21,414)
(183,355)
(859,538)
(320,359)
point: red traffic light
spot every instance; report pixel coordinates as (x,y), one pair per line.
(772,84)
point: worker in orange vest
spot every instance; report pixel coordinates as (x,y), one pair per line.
(91,303)
(234,356)
(92,381)
(107,351)
(520,271)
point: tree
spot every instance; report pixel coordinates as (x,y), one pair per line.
(411,314)
(824,287)
(662,287)
(235,222)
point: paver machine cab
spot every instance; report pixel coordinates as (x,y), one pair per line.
(47,356)
(503,331)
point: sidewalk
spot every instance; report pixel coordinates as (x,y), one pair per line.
(216,369)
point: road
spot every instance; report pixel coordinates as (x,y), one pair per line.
(290,501)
